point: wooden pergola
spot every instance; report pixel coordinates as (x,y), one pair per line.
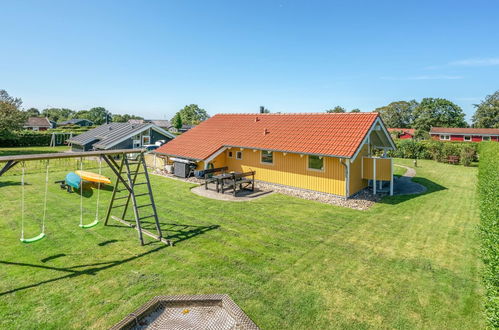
(125,175)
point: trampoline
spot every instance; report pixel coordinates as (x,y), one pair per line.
(214,311)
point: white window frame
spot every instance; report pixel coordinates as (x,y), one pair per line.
(136,144)
(314,169)
(445,137)
(230,154)
(239,153)
(467,138)
(488,137)
(261,157)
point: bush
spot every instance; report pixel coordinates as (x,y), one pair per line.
(25,139)
(436,150)
(488,191)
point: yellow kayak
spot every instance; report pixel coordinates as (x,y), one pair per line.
(93,177)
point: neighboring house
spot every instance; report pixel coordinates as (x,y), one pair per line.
(402,133)
(326,152)
(164,124)
(119,136)
(464,134)
(38,124)
(79,122)
(184,128)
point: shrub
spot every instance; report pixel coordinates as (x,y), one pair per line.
(488,191)
(436,150)
(25,139)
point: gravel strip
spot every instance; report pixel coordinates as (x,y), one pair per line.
(363,200)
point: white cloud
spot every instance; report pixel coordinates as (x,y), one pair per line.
(424,77)
(492,61)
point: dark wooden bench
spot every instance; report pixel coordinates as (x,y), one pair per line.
(241,180)
(209,173)
(453,159)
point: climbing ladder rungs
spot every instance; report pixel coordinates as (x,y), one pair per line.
(139,184)
(146,217)
(122,197)
(141,206)
(116,206)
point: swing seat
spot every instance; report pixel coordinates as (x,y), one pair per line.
(90,225)
(33,239)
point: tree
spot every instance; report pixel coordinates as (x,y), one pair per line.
(192,114)
(117,118)
(11,117)
(99,115)
(398,114)
(177,121)
(487,112)
(6,98)
(355,110)
(32,112)
(264,110)
(58,114)
(336,109)
(436,112)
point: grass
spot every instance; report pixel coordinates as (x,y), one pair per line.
(408,262)
(31,150)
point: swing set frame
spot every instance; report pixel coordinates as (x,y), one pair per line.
(128,182)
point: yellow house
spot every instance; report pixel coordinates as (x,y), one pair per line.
(326,152)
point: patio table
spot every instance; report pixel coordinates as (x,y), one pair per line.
(221,177)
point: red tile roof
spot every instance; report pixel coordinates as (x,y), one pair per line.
(457,130)
(332,134)
(410,131)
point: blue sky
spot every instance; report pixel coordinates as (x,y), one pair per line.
(153,57)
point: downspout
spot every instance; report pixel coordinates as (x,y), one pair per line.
(346,164)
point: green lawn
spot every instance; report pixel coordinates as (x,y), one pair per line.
(31,150)
(408,262)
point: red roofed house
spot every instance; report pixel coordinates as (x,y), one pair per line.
(402,133)
(326,152)
(464,134)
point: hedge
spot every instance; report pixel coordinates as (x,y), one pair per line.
(436,150)
(26,139)
(488,192)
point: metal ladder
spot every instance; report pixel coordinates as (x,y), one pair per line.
(140,171)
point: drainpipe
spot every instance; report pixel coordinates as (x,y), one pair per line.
(346,164)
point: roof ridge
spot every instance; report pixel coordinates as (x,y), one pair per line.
(296,113)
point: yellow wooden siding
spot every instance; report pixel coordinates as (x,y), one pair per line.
(291,170)
(218,161)
(383,168)
(356,181)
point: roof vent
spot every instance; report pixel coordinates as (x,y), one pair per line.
(265,132)
(257,119)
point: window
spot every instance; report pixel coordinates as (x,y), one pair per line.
(485,138)
(136,144)
(467,138)
(239,155)
(146,139)
(315,163)
(267,157)
(444,137)
(230,154)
